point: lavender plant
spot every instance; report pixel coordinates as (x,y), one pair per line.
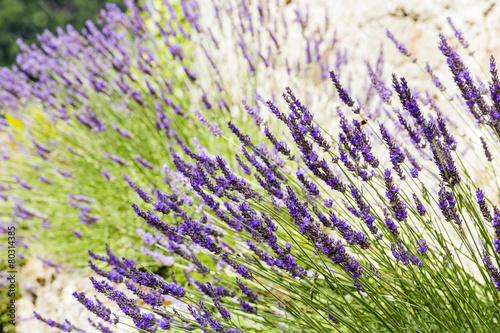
(78,110)
(285,225)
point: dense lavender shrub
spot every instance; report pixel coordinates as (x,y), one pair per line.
(266,219)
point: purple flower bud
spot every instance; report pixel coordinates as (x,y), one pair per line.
(434,78)
(105,174)
(46,180)
(482,204)
(98,309)
(140,192)
(144,162)
(397,205)
(458,33)
(487,152)
(418,205)
(213,127)
(422,248)
(400,46)
(343,94)
(492,270)
(448,206)
(66,327)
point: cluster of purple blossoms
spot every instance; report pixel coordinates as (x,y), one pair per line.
(469,89)
(82,203)
(144,162)
(363,209)
(334,250)
(143,194)
(400,46)
(401,253)
(486,149)
(492,270)
(496,226)
(389,223)
(98,308)
(396,154)
(66,327)
(482,205)
(418,205)
(448,205)
(343,93)
(398,207)
(441,152)
(204,317)
(300,123)
(435,79)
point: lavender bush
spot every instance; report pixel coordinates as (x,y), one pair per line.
(78,110)
(271,219)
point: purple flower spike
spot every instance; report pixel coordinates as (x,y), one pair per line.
(435,79)
(458,34)
(310,187)
(482,204)
(143,321)
(389,223)
(213,127)
(486,149)
(98,309)
(401,254)
(333,250)
(397,205)
(496,226)
(140,192)
(66,327)
(383,92)
(247,307)
(448,206)
(22,183)
(495,96)
(117,159)
(422,248)
(105,174)
(123,132)
(364,209)
(343,93)
(470,92)
(280,146)
(418,204)
(45,180)
(64,173)
(494,273)
(447,137)
(249,293)
(396,154)
(400,46)
(144,162)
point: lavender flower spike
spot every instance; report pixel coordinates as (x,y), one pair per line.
(458,34)
(397,205)
(400,46)
(448,206)
(140,192)
(486,149)
(482,204)
(420,208)
(343,93)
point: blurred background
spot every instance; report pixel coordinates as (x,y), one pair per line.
(27,18)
